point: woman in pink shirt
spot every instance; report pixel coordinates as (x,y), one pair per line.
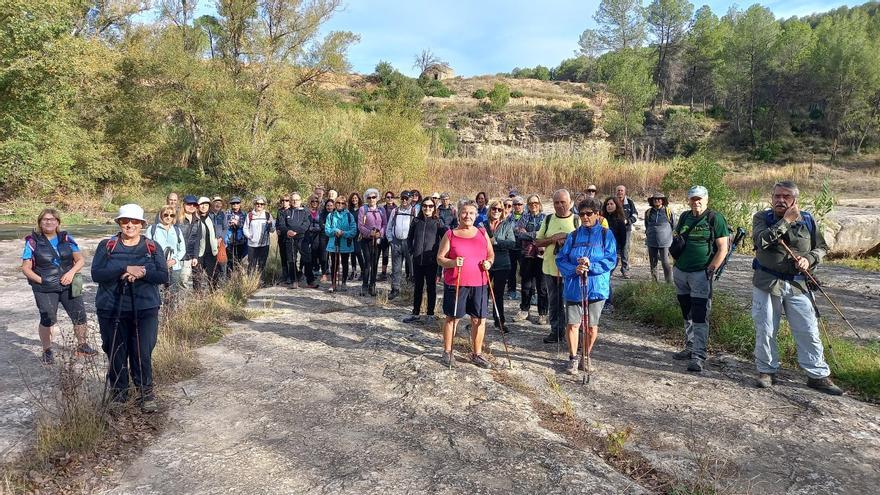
(466,253)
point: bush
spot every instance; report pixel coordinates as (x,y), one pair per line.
(516,94)
(499,96)
(686,131)
(444,141)
(433,87)
(480,94)
(768,151)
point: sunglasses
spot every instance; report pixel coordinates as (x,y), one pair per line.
(194,205)
(372,197)
(313,201)
(591,190)
(587,213)
(168,215)
(508,206)
(126,221)
(534,202)
(340,202)
(495,208)
(285,201)
(426,205)
(260,204)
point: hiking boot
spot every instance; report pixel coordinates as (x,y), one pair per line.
(383,277)
(86,350)
(683,354)
(365,291)
(412,319)
(626,275)
(766,380)
(696,365)
(521,316)
(149,406)
(373,290)
(824,385)
(331,290)
(542,320)
(293,285)
(480,361)
(48,357)
(571,367)
(393,294)
(448,359)
(551,338)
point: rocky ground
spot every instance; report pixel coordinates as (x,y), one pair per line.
(321,393)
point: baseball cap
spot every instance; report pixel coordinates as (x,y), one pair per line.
(405,195)
(204,199)
(190,199)
(234,199)
(216,198)
(698,192)
(444,195)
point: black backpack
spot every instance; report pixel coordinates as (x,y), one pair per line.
(679,239)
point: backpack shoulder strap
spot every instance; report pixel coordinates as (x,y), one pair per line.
(576,221)
(267,215)
(153,231)
(30,241)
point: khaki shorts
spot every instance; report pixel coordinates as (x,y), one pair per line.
(574,312)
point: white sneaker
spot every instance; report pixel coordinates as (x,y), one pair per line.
(521,316)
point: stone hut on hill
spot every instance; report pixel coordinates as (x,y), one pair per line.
(438,72)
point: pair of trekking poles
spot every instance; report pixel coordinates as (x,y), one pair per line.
(495,311)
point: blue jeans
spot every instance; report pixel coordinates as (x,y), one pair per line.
(767,311)
(129,348)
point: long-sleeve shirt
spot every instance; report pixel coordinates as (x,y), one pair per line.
(629,210)
(257,227)
(170,238)
(370,220)
(771,255)
(398,224)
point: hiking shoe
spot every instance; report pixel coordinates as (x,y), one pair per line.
(571,367)
(293,285)
(331,290)
(682,355)
(412,319)
(448,359)
(149,406)
(365,291)
(48,357)
(696,365)
(521,316)
(393,294)
(383,277)
(626,276)
(551,338)
(86,350)
(766,380)
(480,361)
(824,385)
(542,320)
(588,368)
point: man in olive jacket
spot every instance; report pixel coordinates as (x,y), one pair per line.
(779,284)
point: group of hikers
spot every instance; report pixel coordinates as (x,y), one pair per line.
(480,249)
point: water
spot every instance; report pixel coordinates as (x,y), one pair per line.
(17,231)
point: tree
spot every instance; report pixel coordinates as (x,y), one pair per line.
(846,63)
(499,96)
(578,69)
(667,21)
(589,44)
(703,56)
(426,59)
(748,55)
(621,24)
(628,77)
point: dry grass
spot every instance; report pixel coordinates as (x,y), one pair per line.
(572,166)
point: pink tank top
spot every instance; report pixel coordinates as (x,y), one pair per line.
(473,251)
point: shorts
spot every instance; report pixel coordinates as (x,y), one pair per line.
(472,301)
(574,312)
(47,305)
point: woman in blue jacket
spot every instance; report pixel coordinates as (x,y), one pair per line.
(499,228)
(341,229)
(129,268)
(592,251)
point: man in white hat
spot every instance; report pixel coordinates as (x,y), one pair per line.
(704,234)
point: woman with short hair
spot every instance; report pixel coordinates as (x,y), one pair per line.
(466,255)
(257,226)
(51,260)
(482,201)
(129,268)
(170,240)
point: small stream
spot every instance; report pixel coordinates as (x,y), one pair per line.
(17,231)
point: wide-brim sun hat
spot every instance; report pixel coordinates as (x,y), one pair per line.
(656,195)
(131,211)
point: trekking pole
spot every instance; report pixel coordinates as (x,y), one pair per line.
(737,239)
(585,323)
(117,314)
(559,288)
(137,339)
(815,282)
(500,322)
(455,315)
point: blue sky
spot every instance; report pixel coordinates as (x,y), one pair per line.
(489,36)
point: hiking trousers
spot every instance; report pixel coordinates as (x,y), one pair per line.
(129,349)
(400,258)
(660,254)
(556,304)
(694,292)
(532,281)
(767,311)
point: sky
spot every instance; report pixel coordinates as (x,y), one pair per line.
(488,36)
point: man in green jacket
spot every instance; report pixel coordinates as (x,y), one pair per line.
(779,284)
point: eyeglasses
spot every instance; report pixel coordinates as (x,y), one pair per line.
(340,202)
(372,197)
(508,206)
(260,204)
(313,201)
(517,204)
(285,201)
(126,221)
(587,213)
(426,205)
(591,190)
(534,202)
(495,208)
(168,215)
(49,219)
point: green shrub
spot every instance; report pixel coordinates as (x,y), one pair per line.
(516,94)
(433,87)
(768,151)
(686,131)
(444,141)
(499,96)
(480,94)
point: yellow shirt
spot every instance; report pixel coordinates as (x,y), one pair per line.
(555,226)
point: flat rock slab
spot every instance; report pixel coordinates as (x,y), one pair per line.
(326,393)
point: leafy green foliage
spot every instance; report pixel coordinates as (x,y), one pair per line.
(628,78)
(480,94)
(433,87)
(516,94)
(499,96)
(686,131)
(540,73)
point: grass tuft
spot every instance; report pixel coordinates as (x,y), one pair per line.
(854,365)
